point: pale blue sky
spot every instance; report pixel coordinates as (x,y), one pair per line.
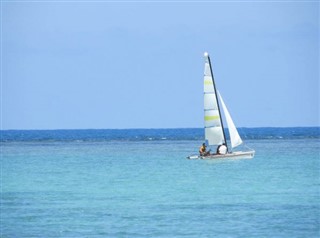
(69,65)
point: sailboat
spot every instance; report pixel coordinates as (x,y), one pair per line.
(213,123)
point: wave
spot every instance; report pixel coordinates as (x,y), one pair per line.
(152,134)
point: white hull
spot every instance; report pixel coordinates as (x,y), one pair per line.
(232,155)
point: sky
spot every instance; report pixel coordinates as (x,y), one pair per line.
(139,64)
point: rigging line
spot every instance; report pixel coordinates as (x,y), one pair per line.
(245,145)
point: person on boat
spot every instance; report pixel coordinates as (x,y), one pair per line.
(222,149)
(203,151)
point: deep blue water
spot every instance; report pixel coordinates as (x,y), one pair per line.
(137,183)
(152,134)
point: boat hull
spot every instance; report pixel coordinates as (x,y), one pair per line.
(232,155)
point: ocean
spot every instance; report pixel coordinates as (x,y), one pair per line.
(138,183)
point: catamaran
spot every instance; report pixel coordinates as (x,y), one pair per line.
(213,123)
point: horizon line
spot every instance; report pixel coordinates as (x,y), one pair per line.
(162,128)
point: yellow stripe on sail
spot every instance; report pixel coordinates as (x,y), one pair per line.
(208,82)
(210,118)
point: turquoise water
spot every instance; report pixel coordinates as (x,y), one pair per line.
(146,188)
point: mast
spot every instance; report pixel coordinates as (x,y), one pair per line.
(215,90)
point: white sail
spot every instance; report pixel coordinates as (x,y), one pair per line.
(213,128)
(234,135)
